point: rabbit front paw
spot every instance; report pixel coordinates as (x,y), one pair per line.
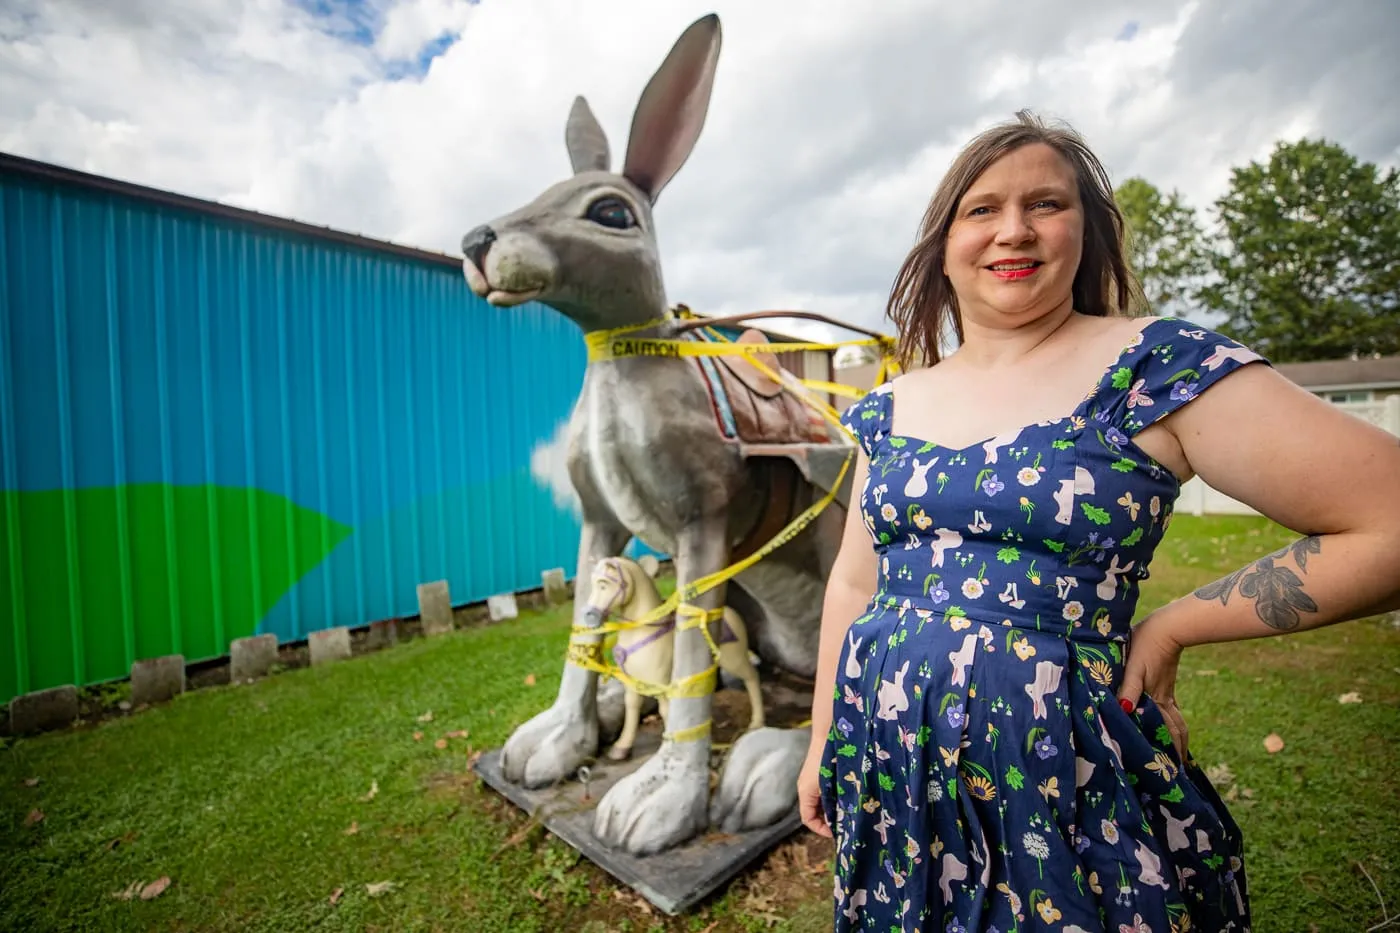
(551,746)
(662,804)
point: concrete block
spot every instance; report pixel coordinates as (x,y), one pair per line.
(42,710)
(328,645)
(382,634)
(556,589)
(435,607)
(502,607)
(251,657)
(155,680)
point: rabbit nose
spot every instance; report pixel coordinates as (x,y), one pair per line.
(476,243)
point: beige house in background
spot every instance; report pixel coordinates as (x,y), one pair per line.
(1368,389)
(1347,382)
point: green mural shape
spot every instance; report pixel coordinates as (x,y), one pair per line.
(94,578)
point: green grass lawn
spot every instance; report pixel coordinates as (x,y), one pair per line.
(261,802)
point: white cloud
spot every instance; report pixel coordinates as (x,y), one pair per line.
(414,23)
(830,127)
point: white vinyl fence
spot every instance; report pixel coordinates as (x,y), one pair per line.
(1197,498)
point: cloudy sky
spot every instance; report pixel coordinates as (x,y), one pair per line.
(831,122)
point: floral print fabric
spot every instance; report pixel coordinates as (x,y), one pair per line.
(980,775)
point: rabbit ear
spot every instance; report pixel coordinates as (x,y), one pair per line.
(672,108)
(588,144)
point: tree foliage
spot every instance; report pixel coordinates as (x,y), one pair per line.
(1166,245)
(1308,264)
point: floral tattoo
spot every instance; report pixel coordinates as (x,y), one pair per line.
(1277,591)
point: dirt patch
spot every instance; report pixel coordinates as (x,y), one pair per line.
(787,703)
(794,880)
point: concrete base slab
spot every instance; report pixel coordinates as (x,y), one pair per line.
(329,645)
(673,881)
(43,710)
(251,657)
(155,680)
(502,606)
(435,607)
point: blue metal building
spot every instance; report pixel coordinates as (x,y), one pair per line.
(216,423)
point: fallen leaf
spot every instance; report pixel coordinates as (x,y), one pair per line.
(354,828)
(1352,697)
(456,734)
(335,895)
(1207,673)
(417,736)
(35,816)
(1273,743)
(128,892)
(440,744)
(128,838)
(31,782)
(529,680)
(155,889)
(380,887)
(373,791)
(426,717)
(1220,774)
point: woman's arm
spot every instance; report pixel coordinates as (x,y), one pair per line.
(848,589)
(1309,466)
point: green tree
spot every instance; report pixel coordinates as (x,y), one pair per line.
(1166,245)
(1310,262)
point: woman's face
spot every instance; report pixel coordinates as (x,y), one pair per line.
(1016,239)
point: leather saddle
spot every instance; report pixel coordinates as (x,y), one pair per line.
(751,406)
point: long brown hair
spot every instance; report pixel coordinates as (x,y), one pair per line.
(922,300)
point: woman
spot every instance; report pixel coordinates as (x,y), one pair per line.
(985,754)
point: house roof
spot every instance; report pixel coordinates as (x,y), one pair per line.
(1344,374)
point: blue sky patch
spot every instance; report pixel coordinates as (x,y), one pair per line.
(356,21)
(1129,30)
(418,66)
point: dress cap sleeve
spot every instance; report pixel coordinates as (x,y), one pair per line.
(1170,364)
(869,417)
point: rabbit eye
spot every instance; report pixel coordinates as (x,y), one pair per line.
(611,212)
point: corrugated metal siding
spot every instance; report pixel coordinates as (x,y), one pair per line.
(212,429)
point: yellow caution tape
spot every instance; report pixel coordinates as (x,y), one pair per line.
(584,650)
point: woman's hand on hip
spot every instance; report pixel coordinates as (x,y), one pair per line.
(1151,668)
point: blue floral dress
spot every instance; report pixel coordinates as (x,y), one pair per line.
(980,775)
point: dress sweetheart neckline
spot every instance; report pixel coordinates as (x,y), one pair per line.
(1136,340)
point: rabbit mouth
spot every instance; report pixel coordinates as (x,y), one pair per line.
(494,294)
(507,299)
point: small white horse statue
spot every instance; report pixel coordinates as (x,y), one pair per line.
(622,590)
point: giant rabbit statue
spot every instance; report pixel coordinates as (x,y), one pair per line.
(649,459)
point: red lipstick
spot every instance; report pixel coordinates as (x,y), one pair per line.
(1011,269)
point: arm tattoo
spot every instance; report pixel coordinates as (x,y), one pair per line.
(1277,591)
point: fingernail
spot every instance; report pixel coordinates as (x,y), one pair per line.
(1126,704)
